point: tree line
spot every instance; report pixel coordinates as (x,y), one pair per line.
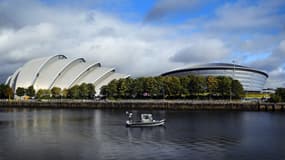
(278,96)
(83,91)
(173,87)
(168,87)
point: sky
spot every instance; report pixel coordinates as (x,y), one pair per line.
(146,37)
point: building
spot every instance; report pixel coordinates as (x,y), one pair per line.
(59,71)
(251,78)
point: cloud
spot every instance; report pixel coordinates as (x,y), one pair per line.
(164,8)
(276,78)
(30,29)
(274,65)
(247,17)
(202,50)
(274,60)
(37,30)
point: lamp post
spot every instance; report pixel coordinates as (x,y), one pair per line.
(233,77)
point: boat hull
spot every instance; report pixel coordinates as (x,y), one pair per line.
(145,124)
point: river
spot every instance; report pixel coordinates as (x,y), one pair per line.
(67,134)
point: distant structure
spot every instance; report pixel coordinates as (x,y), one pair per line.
(59,71)
(251,78)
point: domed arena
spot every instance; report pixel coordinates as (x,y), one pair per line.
(251,79)
(59,71)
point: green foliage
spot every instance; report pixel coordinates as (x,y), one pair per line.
(212,85)
(74,92)
(20,91)
(6,92)
(191,87)
(237,89)
(30,91)
(275,98)
(111,90)
(91,90)
(83,91)
(224,86)
(171,86)
(64,93)
(56,92)
(86,91)
(43,94)
(279,95)
(122,88)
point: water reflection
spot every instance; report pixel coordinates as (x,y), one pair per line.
(101,134)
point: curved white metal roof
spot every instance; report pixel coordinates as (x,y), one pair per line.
(64,68)
(8,80)
(108,79)
(93,75)
(13,78)
(58,71)
(48,72)
(83,72)
(72,73)
(31,71)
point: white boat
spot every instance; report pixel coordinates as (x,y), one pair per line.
(145,121)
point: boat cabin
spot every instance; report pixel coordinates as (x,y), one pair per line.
(146,118)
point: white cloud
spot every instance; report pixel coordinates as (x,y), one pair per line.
(274,64)
(247,17)
(202,50)
(129,47)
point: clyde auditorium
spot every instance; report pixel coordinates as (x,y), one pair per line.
(250,78)
(59,71)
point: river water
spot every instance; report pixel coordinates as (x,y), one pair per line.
(45,134)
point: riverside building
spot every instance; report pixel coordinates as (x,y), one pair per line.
(252,80)
(59,71)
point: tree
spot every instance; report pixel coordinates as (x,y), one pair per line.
(104,91)
(91,90)
(112,89)
(30,91)
(237,89)
(122,88)
(56,92)
(224,86)
(275,98)
(20,91)
(212,85)
(6,91)
(64,93)
(83,91)
(130,92)
(171,86)
(185,84)
(137,88)
(151,87)
(74,92)
(279,95)
(43,94)
(2,90)
(197,85)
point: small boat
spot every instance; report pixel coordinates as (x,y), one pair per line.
(145,121)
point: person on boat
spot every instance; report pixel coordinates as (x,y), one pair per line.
(130,116)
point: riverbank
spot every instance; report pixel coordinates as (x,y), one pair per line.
(147,104)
